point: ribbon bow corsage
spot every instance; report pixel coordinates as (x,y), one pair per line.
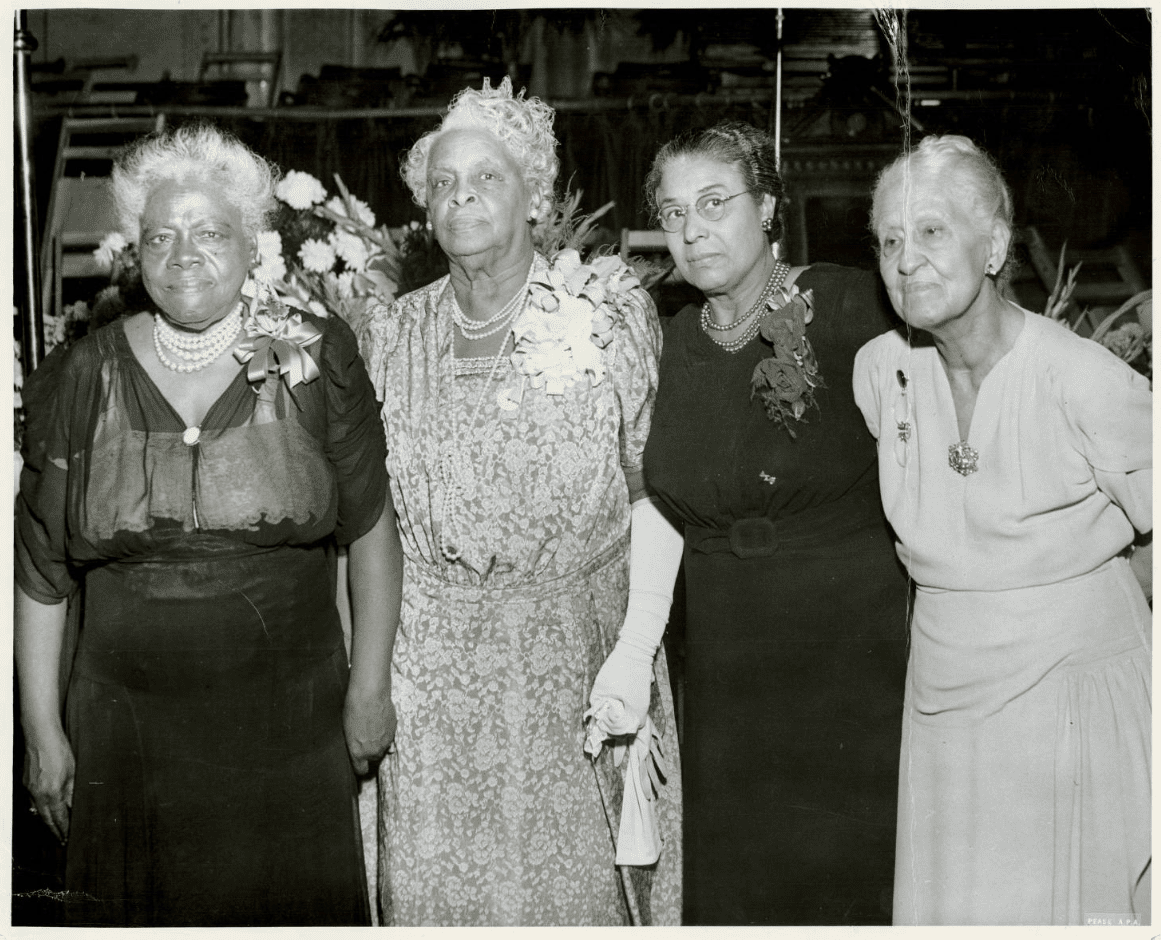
(276,346)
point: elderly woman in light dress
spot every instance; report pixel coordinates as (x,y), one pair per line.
(1015,462)
(516,394)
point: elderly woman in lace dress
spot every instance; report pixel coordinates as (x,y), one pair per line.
(516,394)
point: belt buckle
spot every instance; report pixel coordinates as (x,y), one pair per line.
(753,538)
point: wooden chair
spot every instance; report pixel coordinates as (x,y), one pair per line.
(650,244)
(1107,278)
(261,71)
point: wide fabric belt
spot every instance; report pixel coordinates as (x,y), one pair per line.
(761,536)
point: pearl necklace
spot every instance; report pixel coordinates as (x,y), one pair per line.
(453,473)
(482,329)
(752,317)
(191,352)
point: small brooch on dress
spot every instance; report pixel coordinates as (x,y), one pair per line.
(963,458)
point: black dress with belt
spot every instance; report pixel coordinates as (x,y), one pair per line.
(796,628)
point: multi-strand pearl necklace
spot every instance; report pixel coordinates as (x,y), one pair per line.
(752,317)
(189,352)
(482,329)
(453,470)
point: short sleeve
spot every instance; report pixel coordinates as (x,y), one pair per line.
(865,382)
(638,349)
(51,396)
(377,341)
(355,443)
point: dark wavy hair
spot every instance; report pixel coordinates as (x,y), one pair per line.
(734,143)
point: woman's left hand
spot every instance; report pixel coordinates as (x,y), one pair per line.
(369,725)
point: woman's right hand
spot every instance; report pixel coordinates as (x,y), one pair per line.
(49,770)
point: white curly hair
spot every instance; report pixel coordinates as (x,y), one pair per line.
(523,126)
(199,152)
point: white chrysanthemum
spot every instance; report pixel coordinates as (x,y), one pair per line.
(271,267)
(317,255)
(112,244)
(300,190)
(351,248)
(343,284)
(362,211)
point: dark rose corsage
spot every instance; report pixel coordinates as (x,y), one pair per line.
(786,380)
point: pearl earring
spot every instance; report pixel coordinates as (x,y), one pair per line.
(767,224)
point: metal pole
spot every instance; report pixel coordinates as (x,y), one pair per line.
(31,316)
(778,98)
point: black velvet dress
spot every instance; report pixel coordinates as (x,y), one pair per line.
(212,785)
(796,629)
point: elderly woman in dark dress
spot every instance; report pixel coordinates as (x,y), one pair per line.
(796,606)
(201,777)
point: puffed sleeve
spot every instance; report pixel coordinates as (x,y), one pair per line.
(377,341)
(1110,409)
(52,396)
(355,443)
(638,349)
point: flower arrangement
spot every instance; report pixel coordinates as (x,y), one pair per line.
(325,254)
(785,381)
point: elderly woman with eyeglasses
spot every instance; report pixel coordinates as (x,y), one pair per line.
(796,606)
(197,496)
(516,393)
(1015,460)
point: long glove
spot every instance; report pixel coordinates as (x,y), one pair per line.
(654,557)
(639,838)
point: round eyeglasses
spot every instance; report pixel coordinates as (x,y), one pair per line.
(709,207)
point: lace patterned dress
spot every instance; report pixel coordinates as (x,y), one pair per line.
(491,813)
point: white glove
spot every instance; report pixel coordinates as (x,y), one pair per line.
(644,774)
(654,557)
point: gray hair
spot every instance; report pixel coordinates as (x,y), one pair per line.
(523,126)
(963,169)
(194,152)
(734,143)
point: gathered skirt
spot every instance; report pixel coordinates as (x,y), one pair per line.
(213,786)
(1024,779)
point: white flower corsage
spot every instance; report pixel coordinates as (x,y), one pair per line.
(574,307)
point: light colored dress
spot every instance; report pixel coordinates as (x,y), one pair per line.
(1024,784)
(491,813)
